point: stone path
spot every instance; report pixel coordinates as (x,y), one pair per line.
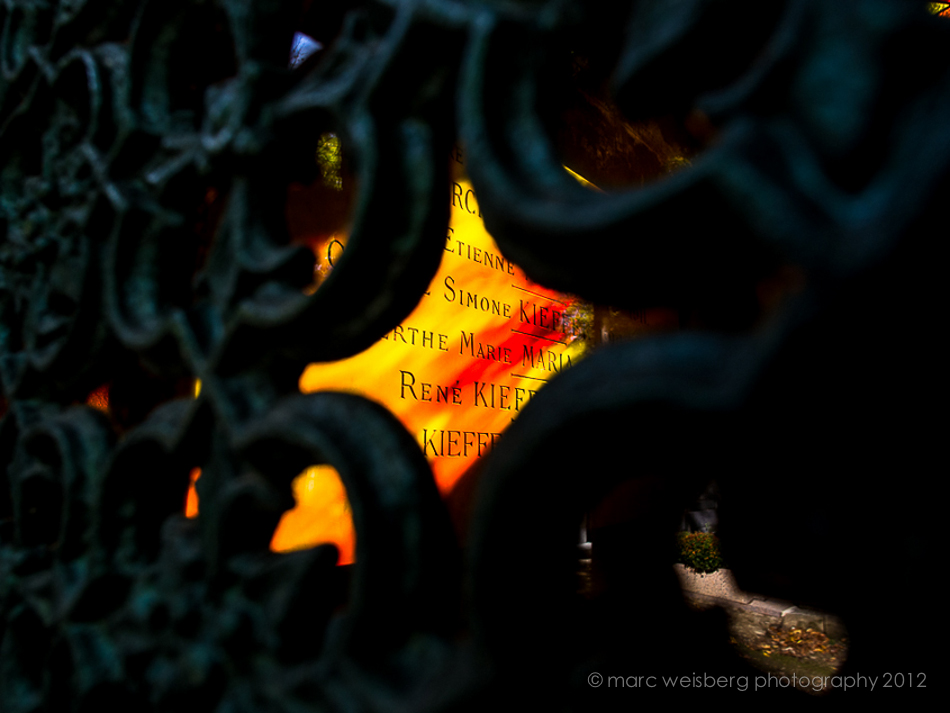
(719,589)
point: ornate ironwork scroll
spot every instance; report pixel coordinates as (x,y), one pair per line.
(147,148)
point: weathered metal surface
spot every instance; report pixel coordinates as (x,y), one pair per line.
(146,152)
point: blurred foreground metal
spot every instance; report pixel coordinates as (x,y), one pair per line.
(147,149)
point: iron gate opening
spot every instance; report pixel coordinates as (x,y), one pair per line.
(149,153)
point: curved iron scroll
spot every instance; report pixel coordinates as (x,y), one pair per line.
(147,148)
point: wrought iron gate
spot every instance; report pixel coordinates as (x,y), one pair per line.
(147,148)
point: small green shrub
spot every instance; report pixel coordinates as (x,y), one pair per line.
(699,551)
